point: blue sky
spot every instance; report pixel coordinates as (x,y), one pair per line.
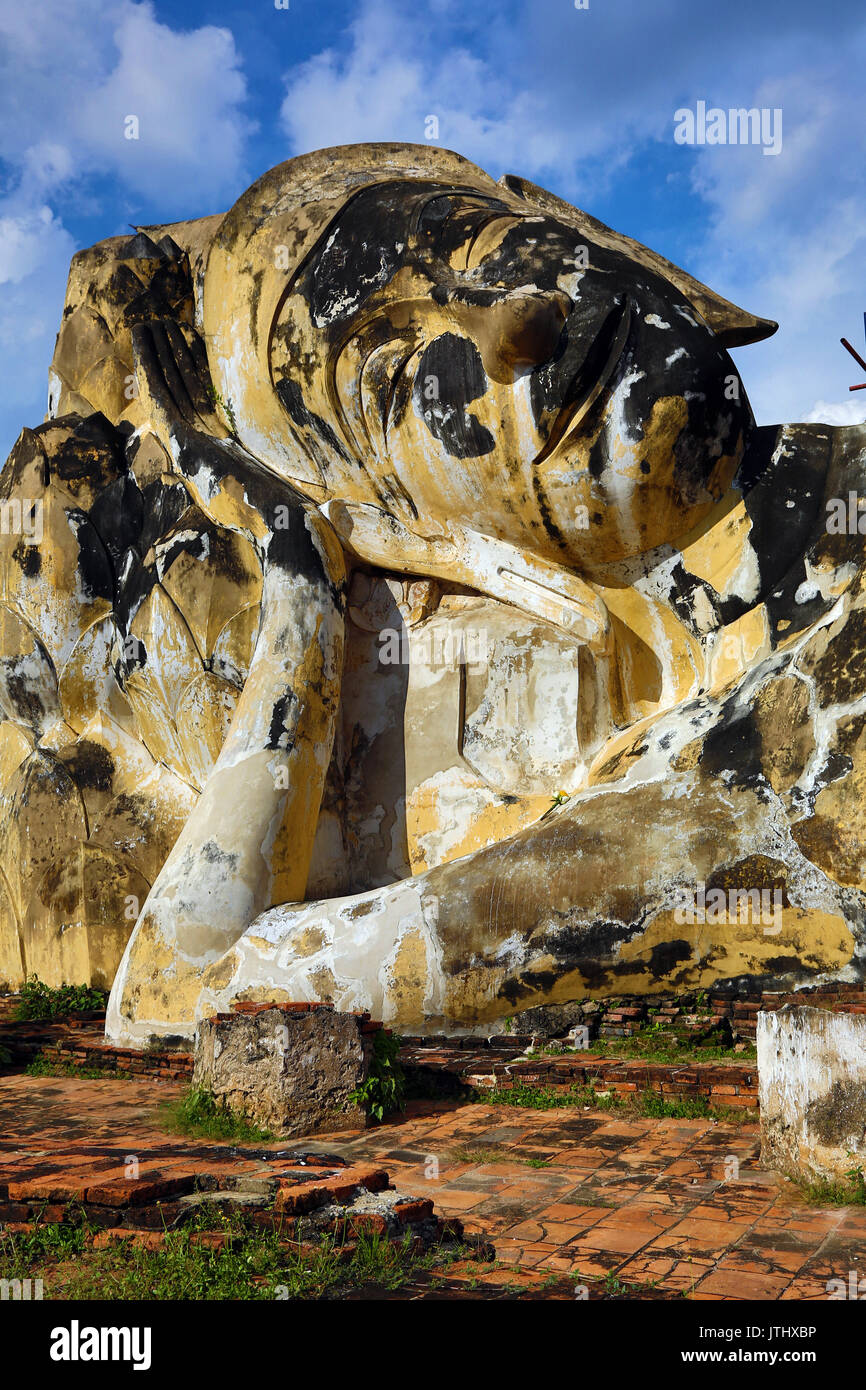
(582,101)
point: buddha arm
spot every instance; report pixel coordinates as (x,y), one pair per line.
(249,840)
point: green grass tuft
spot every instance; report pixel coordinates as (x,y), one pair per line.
(44,1065)
(645,1105)
(199,1115)
(851,1193)
(251,1266)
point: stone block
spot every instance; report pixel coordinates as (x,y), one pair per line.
(548,1020)
(288,1070)
(812,1084)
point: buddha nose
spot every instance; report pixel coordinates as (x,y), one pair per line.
(520,331)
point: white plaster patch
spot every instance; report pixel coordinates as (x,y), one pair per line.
(807,591)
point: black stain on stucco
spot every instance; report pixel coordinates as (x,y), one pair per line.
(455,365)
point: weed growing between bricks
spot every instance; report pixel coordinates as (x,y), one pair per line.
(198,1115)
(239,1264)
(615,1289)
(646,1047)
(384,1090)
(491,1153)
(838,1194)
(231,1263)
(643,1105)
(479,1153)
(25,1252)
(46,1065)
(223,1254)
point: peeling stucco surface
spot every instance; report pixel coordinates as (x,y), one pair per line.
(812,1078)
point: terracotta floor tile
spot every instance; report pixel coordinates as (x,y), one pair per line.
(536,1253)
(623,1240)
(508,1253)
(639,1217)
(477,1180)
(564,1159)
(569,1211)
(525,1230)
(592,1263)
(450,1201)
(736,1283)
(679,1275)
(703,1235)
(560,1263)
(806,1291)
(562,1232)
(722,1208)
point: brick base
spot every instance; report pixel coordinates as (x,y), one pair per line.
(140,1211)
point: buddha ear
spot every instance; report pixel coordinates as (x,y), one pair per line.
(734,327)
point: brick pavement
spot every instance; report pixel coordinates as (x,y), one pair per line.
(682,1205)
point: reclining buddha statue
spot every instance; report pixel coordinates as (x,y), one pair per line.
(418,621)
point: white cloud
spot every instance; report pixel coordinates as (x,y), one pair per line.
(28,241)
(399,70)
(35,250)
(185,91)
(69,75)
(836,413)
(788,240)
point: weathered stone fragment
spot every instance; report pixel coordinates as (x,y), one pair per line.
(290,1071)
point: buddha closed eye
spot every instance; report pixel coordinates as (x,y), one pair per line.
(496,369)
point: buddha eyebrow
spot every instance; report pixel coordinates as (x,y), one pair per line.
(452,203)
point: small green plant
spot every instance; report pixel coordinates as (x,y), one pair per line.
(27,1250)
(44,1064)
(684,1108)
(225,405)
(857,1179)
(646,1105)
(851,1193)
(43,1002)
(200,1115)
(475,1153)
(614,1286)
(658,1043)
(385,1088)
(526,1097)
(5,1056)
(834,1194)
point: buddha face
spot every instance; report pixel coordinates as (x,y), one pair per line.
(452,355)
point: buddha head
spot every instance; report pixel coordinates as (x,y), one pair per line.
(394,328)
